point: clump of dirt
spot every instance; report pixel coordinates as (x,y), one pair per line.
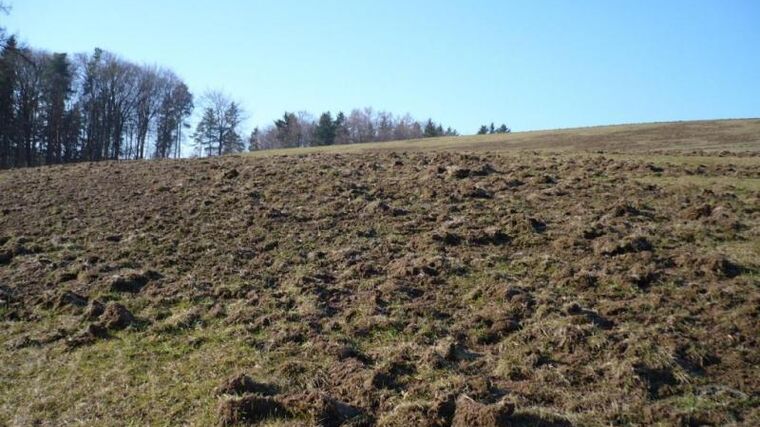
(697,212)
(91,333)
(488,236)
(242,383)
(68,299)
(471,413)
(628,244)
(254,402)
(94,310)
(320,409)
(132,281)
(389,376)
(479,193)
(437,412)
(379,207)
(626,208)
(182,320)
(721,266)
(6,255)
(230,174)
(115,316)
(249,409)
(537,225)
(457,172)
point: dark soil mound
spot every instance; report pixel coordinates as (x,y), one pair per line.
(249,409)
(116,316)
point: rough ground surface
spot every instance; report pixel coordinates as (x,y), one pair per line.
(386,289)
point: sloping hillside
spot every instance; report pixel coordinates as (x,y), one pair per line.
(708,135)
(391,288)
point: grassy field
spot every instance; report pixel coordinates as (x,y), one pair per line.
(714,136)
(599,276)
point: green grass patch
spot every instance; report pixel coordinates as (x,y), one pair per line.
(144,378)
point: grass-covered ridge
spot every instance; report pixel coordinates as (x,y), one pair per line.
(739,135)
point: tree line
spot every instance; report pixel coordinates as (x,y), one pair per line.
(484,130)
(218,131)
(58,109)
(302,129)
(61,108)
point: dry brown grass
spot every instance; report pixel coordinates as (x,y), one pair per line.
(713,135)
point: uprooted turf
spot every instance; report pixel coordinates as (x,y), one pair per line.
(388,288)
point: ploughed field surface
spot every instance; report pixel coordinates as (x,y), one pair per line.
(432,288)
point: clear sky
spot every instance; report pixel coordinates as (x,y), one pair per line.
(531,64)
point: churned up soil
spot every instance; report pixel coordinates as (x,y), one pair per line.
(391,289)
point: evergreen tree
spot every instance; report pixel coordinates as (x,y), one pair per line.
(8,82)
(93,107)
(28,117)
(57,81)
(325,131)
(492,129)
(254,141)
(503,129)
(341,129)
(72,134)
(205,134)
(384,126)
(231,140)
(217,132)
(430,129)
(232,143)
(483,130)
(288,131)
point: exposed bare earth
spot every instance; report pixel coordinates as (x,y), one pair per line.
(389,288)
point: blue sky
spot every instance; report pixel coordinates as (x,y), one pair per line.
(532,64)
